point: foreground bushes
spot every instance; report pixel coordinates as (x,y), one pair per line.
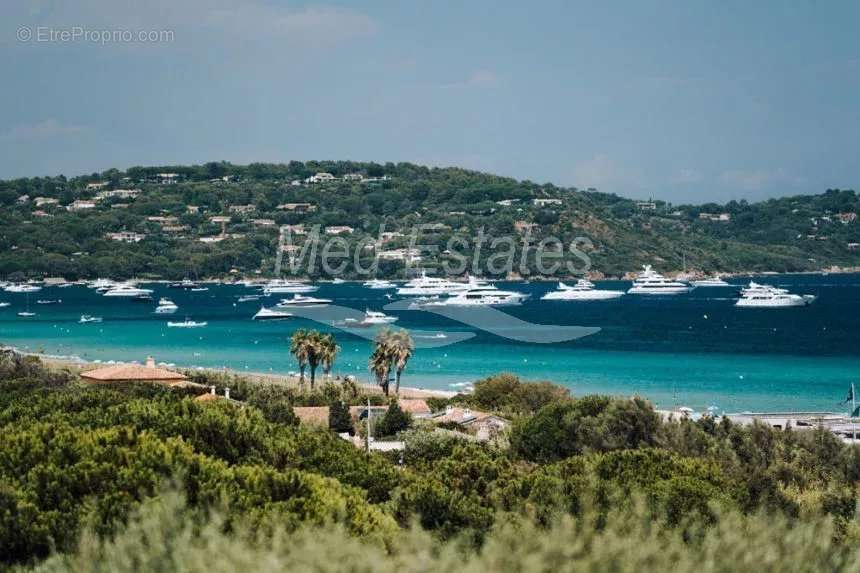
(160,539)
(77,457)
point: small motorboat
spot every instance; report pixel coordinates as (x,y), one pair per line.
(25,288)
(199,289)
(337,281)
(372,317)
(5,304)
(271,314)
(249,297)
(26,313)
(86,318)
(165,306)
(187,323)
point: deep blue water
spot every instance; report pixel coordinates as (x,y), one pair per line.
(696,350)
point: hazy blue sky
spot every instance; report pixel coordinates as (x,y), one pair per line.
(685,101)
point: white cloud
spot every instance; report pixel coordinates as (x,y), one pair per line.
(43,129)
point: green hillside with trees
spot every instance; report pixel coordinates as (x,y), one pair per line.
(142,477)
(157,222)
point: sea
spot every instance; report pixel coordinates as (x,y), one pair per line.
(696,350)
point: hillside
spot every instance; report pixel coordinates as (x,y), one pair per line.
(206,221)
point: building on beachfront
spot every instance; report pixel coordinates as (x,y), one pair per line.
(132,372)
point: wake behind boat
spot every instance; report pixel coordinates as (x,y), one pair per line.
(582,290)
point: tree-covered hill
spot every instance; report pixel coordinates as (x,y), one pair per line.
(158,222)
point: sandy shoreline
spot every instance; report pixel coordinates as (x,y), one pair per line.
(77,364)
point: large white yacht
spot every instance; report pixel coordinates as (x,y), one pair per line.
(26,288)
(379,284)
(127,290)
(582,290)
(650,281)
(429,286)
(271,314)
(715,281)
(764,296)
(480,293)
(284,286)
(302,301)
(101,285)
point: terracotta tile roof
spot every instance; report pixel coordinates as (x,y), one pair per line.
(315,415)
(207,398)
(414,406)
(131,372)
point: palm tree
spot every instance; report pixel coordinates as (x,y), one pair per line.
(299,349)
(401,348)
(315,346)
(329,353)
(380,365)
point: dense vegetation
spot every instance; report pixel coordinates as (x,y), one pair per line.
(147,478)
(800,233)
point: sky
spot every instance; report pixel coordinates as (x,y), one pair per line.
(686,101)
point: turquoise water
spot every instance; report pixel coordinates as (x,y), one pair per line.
(696,350)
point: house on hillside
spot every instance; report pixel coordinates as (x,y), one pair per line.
(96,185)
(339,230)
(321,177)
(646,205)
(126,237)
(483,425)
(80,205)
(297,207)
(546,202)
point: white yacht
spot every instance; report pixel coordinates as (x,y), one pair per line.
(302,301)
(379,284)
(764,296)
(187,323)
(271,314)
(337,281)
(102,285)
(5,304)
(249,297)
(127,290)
(482,294)
(582,290)
(372,317)
(283,286)
(650,281)
(86,318)
(25,288)
(715,281)
(26,314)
(166,306)
(429,286)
